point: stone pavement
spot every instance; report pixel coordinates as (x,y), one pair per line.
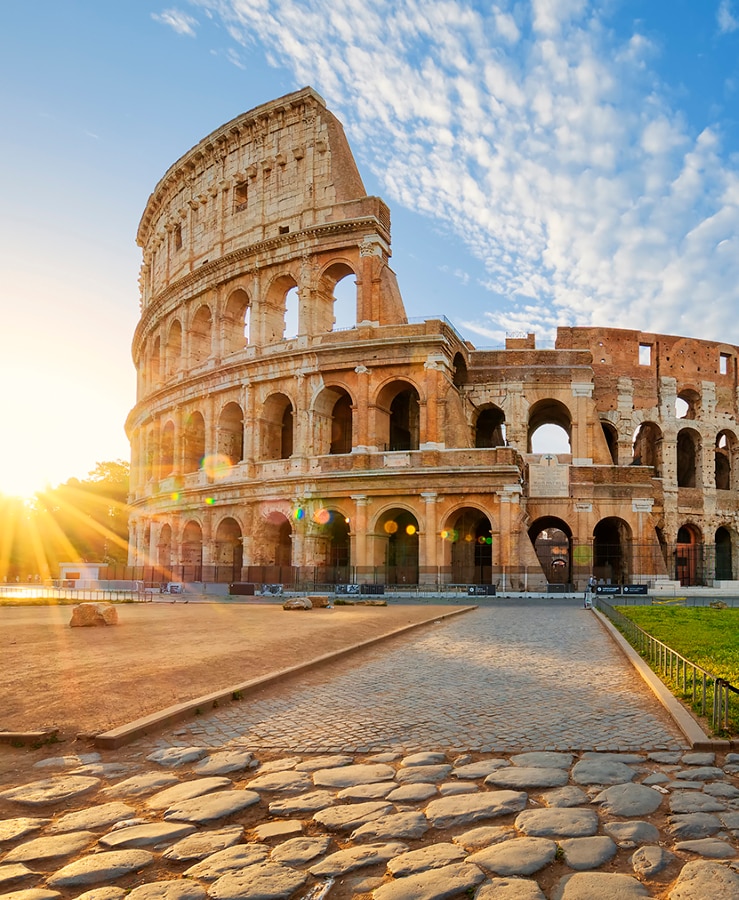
(518,675)
(252,802)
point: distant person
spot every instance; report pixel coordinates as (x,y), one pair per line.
(589,590)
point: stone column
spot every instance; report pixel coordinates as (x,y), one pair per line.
(429,546)
(358,537)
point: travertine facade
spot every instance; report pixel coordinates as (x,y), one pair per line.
(393,451)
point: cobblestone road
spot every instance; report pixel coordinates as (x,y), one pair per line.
(515,675)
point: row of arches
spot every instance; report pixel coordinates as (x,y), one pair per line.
(468,557)
(689,460)
(209,330)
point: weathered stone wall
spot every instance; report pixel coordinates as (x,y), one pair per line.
(390,450)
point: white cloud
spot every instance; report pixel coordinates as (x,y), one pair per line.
(179,21)
(540,139)
(727,21)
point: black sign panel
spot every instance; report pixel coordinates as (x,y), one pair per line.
(635,588)
(481,590)
(608,589)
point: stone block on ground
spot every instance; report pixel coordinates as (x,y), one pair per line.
(297,603)
(91,614)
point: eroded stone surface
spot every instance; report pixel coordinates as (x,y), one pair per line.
(101,867)
(520,856)
(465,809)
(705,881)
(266,881)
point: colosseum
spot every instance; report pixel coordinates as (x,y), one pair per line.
(291,429)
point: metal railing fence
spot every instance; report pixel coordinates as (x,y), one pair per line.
(709,694)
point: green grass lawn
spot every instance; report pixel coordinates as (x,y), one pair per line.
(707,637)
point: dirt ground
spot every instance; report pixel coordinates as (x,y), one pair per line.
(88,680)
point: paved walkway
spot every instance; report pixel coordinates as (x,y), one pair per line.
(516,675)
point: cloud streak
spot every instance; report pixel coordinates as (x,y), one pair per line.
(541,138)
(177,20)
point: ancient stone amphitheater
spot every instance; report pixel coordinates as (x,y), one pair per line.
(271,445)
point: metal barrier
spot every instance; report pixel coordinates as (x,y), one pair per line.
(706,688)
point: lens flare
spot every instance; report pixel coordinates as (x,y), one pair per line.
(216,465)
(391,527)
(322,516)
(410,529)
(210,501)
(175,497)
(582,555)
(298,513)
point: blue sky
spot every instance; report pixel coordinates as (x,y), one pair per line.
(548,162)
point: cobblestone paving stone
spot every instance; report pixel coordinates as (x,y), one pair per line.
(517,676)
(327,816)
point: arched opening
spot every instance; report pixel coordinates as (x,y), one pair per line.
(344,296)
(194,442)
(724,564)
(155,362)
(723,452)
(341,425)
(612,551)
(201,336)
(399,402)
(552,542)
(292,314)
(460,370)
(174,348)
(231,434)
(490,427)
(611,436)
(688,404)
(228,551)
(192,552)
(549,428)
(277,427)
(689,568)
(648,447)
(237,320)
(166,452)
(399,529)
(164,553)
(333,528)
(688,454)
(470,534)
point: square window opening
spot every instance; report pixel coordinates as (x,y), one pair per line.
(645,354)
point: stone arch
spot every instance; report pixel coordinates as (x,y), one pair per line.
(228,550)
(166,450)
(552,541)
(611,435)
(398,529)
(236,322)
(688,403)
(277,427)
(201,335)
(724,554)
(194,449)
(490,427)
(724,454)
(470,533)
(230,443)
(174,348)
(275,539)
(336,299)
(612,550)
(689,569)
(274,309)
(398,405)
(332,527)
(556,420)
(460,370)
(688,458)
(648,447)
(192,551)
(333,411)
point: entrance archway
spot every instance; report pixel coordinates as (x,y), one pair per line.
(470,534)
(552,541)
(689,556)
(228,551)
(612,551)
(724,566)
(400,530)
